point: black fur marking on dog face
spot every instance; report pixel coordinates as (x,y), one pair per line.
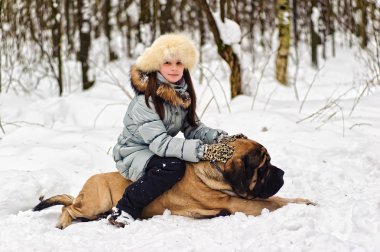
(269,181)
(241,173)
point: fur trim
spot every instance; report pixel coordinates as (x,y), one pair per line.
(167,47)
(139,82)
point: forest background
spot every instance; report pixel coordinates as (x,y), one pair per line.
(299,76)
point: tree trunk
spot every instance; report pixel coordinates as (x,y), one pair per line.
(202,41)
(69,25)
(295,24)
(98,17)
(222,10)
(225,51)
(262,22)
(166,18)
(107,28)
(129,28)
(237,12)
(84,39)
(29,17)
(323,26)
(129,37)
(284,38)
(156,8)
(56,36)
(331,26)
(362,26)
(144,18)
(350,16)
(313,36)
(145,11)
(1,65)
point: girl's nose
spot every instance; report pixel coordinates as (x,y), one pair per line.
(174,67)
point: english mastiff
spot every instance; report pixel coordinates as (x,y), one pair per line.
(245,183)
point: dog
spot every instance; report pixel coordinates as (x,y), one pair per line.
(245,183)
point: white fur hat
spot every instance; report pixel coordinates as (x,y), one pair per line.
(167,47)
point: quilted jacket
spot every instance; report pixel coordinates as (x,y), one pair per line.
(145,134)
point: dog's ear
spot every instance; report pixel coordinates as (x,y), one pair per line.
(236,176)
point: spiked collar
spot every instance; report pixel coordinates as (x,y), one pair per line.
(139,82)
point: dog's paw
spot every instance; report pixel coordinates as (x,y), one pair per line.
(304,201)
(311,203)
(115,223)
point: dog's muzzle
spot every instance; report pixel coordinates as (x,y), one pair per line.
(271,185)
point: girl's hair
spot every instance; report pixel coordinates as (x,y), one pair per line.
(158,102)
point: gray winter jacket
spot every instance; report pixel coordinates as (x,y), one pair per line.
(145,134)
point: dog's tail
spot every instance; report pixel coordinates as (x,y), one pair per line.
(63,199)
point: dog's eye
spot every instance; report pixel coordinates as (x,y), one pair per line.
(261,170)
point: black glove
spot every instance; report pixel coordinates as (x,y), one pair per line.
(225,139)
(217,152)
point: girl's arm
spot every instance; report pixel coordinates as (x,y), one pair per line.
(206,134)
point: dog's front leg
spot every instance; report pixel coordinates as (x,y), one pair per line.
(254,207)
(294,200)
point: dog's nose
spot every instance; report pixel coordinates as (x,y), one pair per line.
(276,181)
(279,173)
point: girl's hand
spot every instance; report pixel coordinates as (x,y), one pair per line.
(226,139)
(217,152)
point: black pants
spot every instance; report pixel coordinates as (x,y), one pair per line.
(160,175)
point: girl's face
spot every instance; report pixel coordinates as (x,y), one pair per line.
(172,70)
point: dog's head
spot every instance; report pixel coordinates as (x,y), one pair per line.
(249,171)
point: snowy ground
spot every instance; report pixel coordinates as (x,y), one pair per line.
(52,145)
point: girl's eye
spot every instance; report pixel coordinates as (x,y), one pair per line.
(179,63)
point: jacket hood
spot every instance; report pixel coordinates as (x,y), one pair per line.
(139,82)
(167,47)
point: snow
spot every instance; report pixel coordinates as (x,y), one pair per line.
(85,27)
(229,30)
(133,12)
(315,17)
(53,144)
(6,27)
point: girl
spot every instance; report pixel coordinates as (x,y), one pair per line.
(147,150)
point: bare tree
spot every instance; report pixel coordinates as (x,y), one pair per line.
(331,25)
(84,14)
(56,29)
(69,24)
(362,25)
(1,49)
(295,24)
(202,40)
(106,10)
(56,36)
(224,50)
(284,38)
(166,19)
(313,34)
